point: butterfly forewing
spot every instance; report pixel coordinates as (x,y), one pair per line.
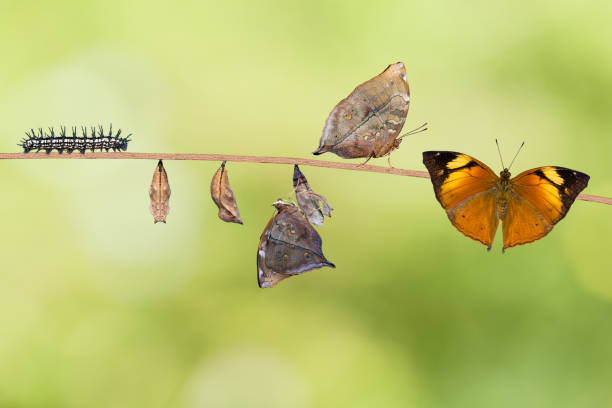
(456,176)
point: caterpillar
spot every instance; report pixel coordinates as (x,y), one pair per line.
(49,141)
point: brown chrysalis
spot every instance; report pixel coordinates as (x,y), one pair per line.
(160,194)
(223,196)
(308,200)
(288,246)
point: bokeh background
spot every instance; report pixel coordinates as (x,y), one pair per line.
(99,307)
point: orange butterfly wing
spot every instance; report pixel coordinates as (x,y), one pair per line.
(539,198)
(466,189)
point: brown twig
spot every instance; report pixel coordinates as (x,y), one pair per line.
(248,159)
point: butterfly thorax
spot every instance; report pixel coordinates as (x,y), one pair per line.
(503,191)
(392,146)
(386,149)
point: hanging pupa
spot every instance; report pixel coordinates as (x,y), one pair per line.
(223,196)
(312,204)
(160,194)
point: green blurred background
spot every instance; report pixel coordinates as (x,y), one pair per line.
(101,308)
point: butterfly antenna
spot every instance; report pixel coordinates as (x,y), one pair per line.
(517,152)
(500,156)
(420,129)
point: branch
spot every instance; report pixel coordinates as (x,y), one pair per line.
(248,159)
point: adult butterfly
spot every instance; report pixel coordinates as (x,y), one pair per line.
(368,121)
(288,246)
(476,199)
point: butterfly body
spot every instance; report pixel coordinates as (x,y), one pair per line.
(476,199)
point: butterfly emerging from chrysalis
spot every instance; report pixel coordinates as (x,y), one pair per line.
(476,199)
(288,246)
(48,141)
(367,123)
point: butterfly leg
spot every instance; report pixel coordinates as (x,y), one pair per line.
(367,160)
(389,161)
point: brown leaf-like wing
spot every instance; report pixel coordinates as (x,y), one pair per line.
(309,201)
(367,122)
(223,196)
(288,246)
(160,194)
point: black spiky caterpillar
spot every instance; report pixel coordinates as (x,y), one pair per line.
(49,141)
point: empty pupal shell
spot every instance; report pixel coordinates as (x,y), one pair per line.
(223,196)
(367,122)
(308,200)
(160,194)
(288,246)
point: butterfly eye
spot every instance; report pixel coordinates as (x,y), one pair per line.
(306,255)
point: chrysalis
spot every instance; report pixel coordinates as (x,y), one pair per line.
(308,200)
(223,196)
(160,194)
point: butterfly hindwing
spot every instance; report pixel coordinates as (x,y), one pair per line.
(466,189)
(522,223)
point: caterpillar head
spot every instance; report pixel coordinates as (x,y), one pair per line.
(124,143)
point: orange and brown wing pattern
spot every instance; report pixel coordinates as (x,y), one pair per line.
(540,198)
(467,190)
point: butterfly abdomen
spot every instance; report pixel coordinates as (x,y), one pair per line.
(503,191)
